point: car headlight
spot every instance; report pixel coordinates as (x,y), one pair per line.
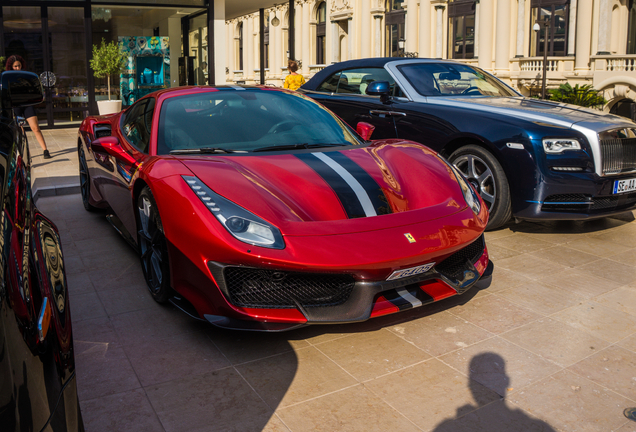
(242,224)
(470,196)
(559,145)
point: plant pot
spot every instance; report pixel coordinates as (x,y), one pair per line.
(108,106)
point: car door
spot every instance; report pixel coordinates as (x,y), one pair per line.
(344,93)
(134,139)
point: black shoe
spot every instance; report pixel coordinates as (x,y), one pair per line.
(47,155)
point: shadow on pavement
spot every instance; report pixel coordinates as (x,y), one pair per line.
(488,384)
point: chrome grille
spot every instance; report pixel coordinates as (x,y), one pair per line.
(618,155)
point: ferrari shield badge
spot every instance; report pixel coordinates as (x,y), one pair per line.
(409,237)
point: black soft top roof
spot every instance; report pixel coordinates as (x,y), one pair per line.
(322,75)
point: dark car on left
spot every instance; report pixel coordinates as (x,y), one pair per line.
(37,368)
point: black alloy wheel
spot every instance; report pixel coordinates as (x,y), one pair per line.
(485,173)
(85,180)
(153,247)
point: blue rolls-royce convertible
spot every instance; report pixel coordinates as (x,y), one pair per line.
(528,158)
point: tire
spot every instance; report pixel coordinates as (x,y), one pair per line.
(485,173)
(153,247)
(85,180)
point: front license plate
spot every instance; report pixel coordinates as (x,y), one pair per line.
(399,274)
(622,186)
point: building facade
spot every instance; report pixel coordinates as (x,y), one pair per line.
(586,41)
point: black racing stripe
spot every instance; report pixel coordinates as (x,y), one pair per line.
(373,189)
(346,195)
(401,303)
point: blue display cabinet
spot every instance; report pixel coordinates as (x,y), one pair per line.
(147,66)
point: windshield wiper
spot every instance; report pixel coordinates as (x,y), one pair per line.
(295,147)
(205,150)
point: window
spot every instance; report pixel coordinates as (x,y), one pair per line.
(321,18)
(445,79)
(556,12)
(462,28)
(138,124)
(394,18)
(217,119)
(240,46)
(631,32)
(356,81)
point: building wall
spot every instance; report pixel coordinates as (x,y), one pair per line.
(597,42)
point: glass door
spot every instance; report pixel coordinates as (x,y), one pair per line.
(198,44)
(67,60)
(22,31)
(52,42)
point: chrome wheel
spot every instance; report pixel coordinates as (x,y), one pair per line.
(153,247)
(484,172)
(479,175)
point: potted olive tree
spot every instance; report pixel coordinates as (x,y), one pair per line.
(107,60)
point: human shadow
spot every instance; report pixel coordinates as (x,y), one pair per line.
(487,374)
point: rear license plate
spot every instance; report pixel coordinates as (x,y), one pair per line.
(622,186)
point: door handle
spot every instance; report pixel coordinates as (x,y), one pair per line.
(387,113)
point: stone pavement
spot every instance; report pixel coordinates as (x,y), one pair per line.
(549,346)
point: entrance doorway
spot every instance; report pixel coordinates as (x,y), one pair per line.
(52,42)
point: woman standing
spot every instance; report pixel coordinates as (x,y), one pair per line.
(15,62)
(293,81)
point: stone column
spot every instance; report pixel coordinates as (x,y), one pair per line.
(231,52)
(305,53)
(411,26)
(502,43)
(583,37)
(248,49)
(572,28)
(521,27)
(378,35)
(486,13)
(351,37)
(335,42)
(274,63)
(365,29)
(425,28)
(439,39)
(604,27)
(477,9)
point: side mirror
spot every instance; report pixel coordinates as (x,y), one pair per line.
(110,146)
(365,130)
(20,88)
(107,145)
(379,88)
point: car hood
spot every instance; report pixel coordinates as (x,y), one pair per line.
(534,110)
(353,189)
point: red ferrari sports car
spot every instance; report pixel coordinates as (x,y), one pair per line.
(257,208)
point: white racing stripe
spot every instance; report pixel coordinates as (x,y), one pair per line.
(362,195)
(409,298)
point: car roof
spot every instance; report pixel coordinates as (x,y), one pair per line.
(320,76)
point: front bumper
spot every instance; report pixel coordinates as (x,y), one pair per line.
(577,197)
(361,299)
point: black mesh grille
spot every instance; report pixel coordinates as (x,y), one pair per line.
(454,266)
(595,205)
(570,198)
(257,288)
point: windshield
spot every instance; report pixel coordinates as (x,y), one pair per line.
(245,120)
(443,79)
